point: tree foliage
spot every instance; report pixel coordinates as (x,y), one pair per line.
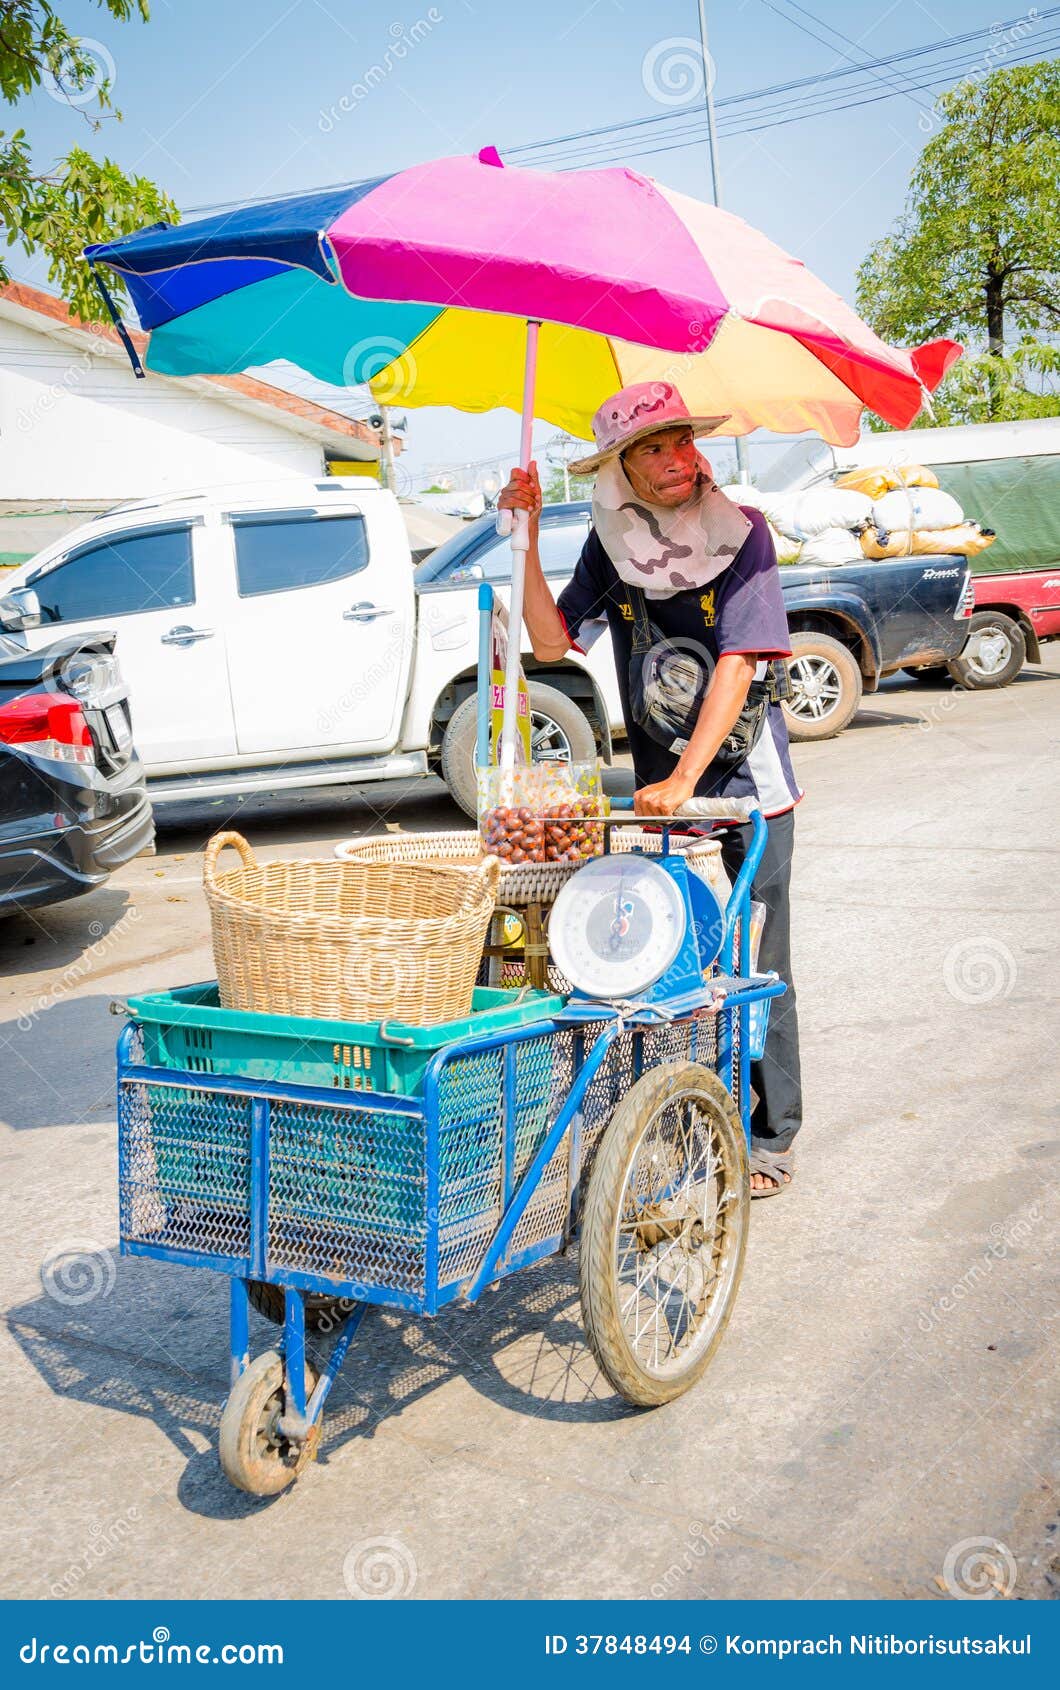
(62,206)
(975,254)
(553,491)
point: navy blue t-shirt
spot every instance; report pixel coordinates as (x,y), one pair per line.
(741,610)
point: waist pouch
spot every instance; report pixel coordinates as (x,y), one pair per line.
(668,681)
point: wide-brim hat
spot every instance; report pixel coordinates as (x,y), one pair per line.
(645,408)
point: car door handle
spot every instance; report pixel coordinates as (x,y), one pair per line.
(183,635)
(364,612)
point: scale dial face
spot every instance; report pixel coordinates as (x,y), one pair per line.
(617,926)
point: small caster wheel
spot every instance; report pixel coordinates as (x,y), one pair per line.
(255,1454)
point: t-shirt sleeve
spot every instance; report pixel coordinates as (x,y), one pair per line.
(751,614)
(583,601)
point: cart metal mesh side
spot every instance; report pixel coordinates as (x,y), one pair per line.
(185,1170)
(385,1199)
(543,1073)
(347,1195)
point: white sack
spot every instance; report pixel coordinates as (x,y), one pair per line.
(917,507)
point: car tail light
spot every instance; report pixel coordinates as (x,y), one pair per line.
(966,602)
(49,726)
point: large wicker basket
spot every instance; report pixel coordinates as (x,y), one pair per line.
(345,940)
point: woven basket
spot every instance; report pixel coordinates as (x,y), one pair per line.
(347,940)
(525,883)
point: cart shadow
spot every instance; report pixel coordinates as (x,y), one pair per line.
(152,1343)
(41,1091)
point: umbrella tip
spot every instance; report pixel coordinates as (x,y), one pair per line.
(490,155)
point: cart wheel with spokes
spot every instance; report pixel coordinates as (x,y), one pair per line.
(664,1232)
(255,1454)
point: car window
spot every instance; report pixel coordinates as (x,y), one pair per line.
(119,575)
(559,544)
(276,551)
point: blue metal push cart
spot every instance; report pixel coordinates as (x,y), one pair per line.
(416,1186)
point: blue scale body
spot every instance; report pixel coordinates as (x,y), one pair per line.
(700,946)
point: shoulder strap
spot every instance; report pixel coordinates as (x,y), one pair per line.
(643,639)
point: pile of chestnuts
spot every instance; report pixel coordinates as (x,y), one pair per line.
(567,834)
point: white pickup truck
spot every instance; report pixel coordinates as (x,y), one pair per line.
(277,636)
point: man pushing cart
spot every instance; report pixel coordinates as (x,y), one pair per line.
(688,586)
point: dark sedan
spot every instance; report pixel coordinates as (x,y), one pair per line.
(73,805)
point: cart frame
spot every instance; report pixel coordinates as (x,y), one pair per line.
(720,1012)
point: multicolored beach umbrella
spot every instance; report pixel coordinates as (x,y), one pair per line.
(466,283)
(420,284)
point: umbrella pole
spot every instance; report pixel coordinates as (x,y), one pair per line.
(520,540)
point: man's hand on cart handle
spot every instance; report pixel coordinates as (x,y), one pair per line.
(665,797)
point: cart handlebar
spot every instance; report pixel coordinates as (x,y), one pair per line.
(731,810)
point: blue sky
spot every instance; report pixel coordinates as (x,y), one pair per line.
(227,99)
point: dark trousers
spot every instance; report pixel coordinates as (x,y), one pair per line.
(777,1115)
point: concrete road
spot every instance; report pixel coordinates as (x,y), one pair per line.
(876,1423)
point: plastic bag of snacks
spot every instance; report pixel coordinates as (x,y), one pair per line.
(544,813)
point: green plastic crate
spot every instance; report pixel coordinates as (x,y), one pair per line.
(188,1029)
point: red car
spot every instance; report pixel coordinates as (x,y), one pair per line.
(1013,615)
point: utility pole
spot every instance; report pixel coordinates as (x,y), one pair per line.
(563,447)
(743,460)
(386,440)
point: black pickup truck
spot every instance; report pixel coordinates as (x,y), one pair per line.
(850,624)
(854,622)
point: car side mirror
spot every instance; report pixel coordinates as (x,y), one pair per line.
(19,609)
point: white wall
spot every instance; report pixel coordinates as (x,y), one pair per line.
(77,424)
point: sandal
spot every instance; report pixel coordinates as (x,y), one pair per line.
(774,1164)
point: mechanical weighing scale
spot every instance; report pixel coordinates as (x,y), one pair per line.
(632,928)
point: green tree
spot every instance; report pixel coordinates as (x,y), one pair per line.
(975,254)
(58,208)
(553,491)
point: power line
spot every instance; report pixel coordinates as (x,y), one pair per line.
(936,77)
(860,64)
(691,136)
(755,95)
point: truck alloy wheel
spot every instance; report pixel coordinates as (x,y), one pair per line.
(826,687)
